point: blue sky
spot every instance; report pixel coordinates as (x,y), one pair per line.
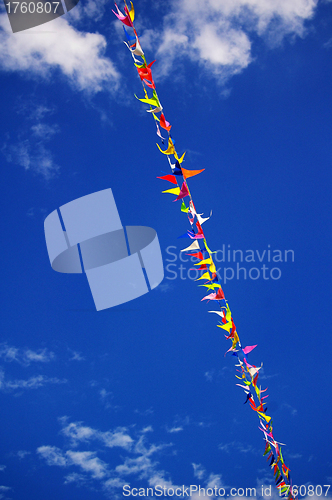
(142,394)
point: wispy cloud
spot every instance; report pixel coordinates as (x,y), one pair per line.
(328,44)
(22,454)
(145,413)
(29,149)
(290,408)
(78,433)
(34,157)
(146,429)
(173,430)
(140,461)
(218,34)
(31,383)
(25,356)
(238,447)
(77,356)
(44,131)
(93,9)
(3,491)
(88,462)
(209,375)
(32,109)
(212,375)
(199,471)
(52,455)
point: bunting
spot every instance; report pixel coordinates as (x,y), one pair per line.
(200,250)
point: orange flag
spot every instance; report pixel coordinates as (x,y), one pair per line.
(190,173)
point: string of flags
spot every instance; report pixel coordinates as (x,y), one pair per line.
(247,373)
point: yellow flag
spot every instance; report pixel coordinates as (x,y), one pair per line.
(132,12)
(235,339)
(173,191)
(206,246)
(267,418)
(228,314)
(206,261)
(180,160)
(212,268)
(227,326)
(170,150)
(204,276)
(212,286)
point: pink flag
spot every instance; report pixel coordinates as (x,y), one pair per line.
(249,348)
(183,192)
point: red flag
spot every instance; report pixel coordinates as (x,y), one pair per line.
(198,255)
(220,294)
(164,124)
(170,178)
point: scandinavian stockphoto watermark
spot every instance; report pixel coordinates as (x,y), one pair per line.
(86,236)
(216,491)
(231,264)
(194,489)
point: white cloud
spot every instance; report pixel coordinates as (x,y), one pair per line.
(52,455)
(38,356)
(293,456)
(175,429)
(106,398)
(146,429)
(238,447)
(32,156)
(290,408)
(74,477)
(219,33)
(88,462)
(58,46)
(31,109)
(221,45)
(44,131)
(143,465)
(209,375)
(78,433)
(30,383)
(22,454)
(117,438)
(77,356)
(141,462)
(93,9)
(31,153)
(199,471)
(114,483)
(328,44)
(25,356)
